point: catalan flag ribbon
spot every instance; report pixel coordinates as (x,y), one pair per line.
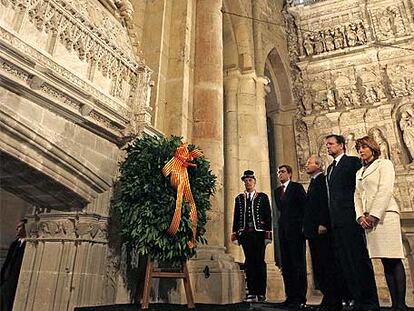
(177,168)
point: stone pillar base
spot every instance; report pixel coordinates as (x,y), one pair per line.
(275,289)
(215,278)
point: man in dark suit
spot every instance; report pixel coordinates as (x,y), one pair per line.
(317,229)
(290,201)
(252,229)
(348,237)
(11,268)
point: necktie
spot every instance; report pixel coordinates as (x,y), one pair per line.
(311,184)
(332,169)
(282,191)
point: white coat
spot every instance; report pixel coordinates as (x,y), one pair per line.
(374,196)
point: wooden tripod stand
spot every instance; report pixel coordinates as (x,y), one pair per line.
(150,273)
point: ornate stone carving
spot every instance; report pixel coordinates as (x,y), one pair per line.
(71,227)
(14,71)
(319,43)
(329,40)
(293,50)
(389,22)
(308,44)
(378,136)
(406,123)
(302,144)
(336,38)
(351,35)
(396,155)
(350,145)
(91,32)
(400,80)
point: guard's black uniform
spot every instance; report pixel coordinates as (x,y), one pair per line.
(252,225)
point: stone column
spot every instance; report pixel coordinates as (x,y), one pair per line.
(231,158)
(216,278)
(65,263)
(208,101)
(274,279)
(246,147)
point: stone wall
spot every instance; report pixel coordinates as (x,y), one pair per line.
(73,90)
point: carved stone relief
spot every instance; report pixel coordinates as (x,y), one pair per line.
(350,144)
(406,125)
(95,35)
(389,22)
(335,38)
(73,227)
(400,79)
(342,93)
(302,145)
(378,136)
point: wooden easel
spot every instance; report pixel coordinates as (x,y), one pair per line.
(150,273)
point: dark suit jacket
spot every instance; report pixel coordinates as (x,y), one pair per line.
(341,185)
(316,208)
(262,215)
(10,274)
(291,207)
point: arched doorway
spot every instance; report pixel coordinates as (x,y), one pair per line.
(279,117)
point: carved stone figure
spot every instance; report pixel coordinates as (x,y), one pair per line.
(319,44)
(361,35)
(330,98)
(350,145)
(345,100)
(386,22)
(355,96)
(379,138)
(407,129)
(351,35)
(329,40)
(371,95)
(339,39)
(308,44)
(396,155)
(302,143)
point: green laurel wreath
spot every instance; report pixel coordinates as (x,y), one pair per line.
(145,200)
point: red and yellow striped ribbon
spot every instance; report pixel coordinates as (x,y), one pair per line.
(177,167)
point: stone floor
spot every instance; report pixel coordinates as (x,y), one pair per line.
(199,307)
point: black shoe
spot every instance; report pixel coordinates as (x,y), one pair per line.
(250,298)
(261,298)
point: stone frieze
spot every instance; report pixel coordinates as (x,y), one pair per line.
(68,227)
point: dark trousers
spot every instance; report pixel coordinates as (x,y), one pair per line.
(293,255)
(255,265)
(356,266)
(325,270)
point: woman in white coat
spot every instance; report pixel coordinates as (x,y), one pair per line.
(378,213)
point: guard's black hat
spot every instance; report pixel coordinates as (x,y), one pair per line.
(248,174)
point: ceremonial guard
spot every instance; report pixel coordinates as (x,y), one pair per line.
(252,225)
